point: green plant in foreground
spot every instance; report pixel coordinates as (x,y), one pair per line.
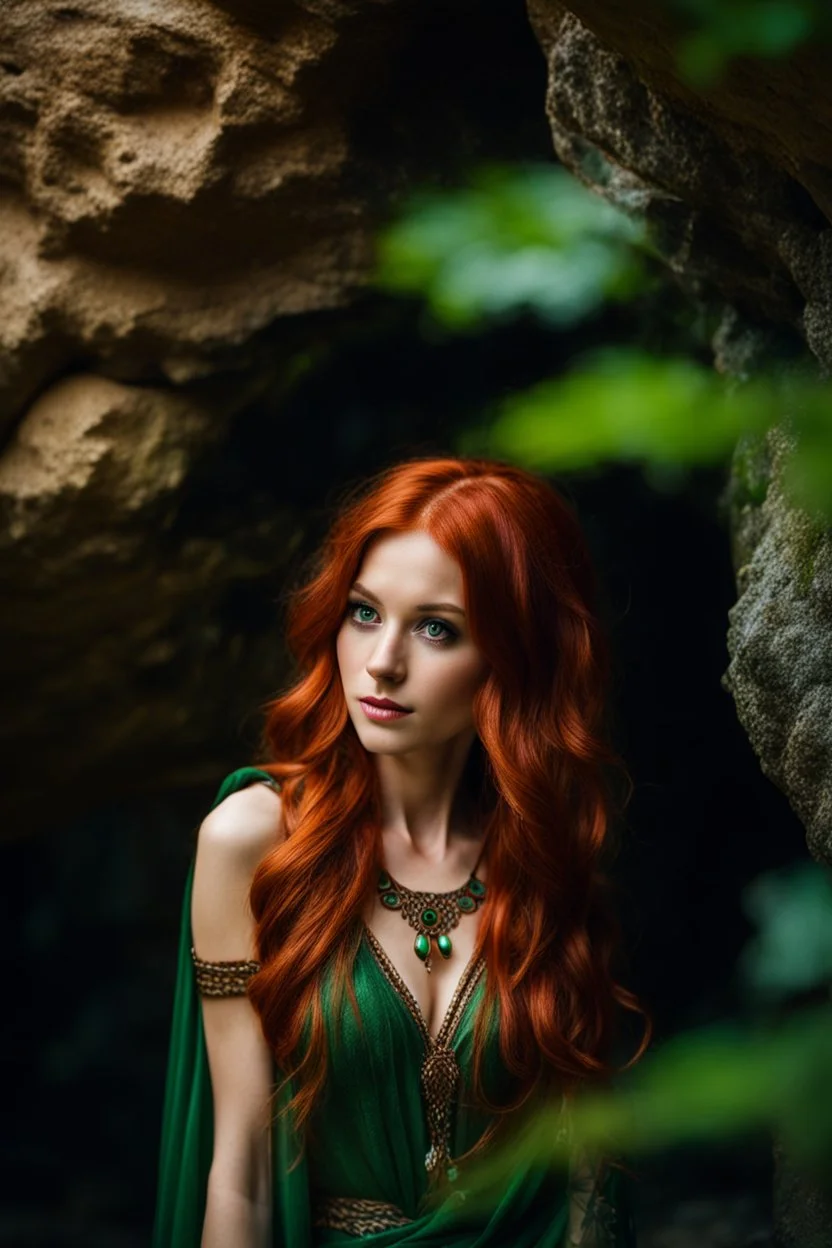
(719,30)
(715,1083)
(665,414)
(534,239)
(530,238)
(792,949)
(724,1080)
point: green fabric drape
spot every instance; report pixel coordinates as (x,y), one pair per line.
(370,1131)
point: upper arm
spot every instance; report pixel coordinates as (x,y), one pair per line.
(233,838)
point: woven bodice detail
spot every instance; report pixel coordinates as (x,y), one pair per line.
(440,1069)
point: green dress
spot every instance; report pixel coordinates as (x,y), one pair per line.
(371,1127)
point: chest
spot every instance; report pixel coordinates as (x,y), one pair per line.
(433,991)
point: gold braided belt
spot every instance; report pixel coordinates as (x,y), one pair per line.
(358,1216)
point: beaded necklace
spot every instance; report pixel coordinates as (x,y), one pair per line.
(432,915)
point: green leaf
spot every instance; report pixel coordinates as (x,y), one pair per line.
(531,238)
(626,406)
(722,1081)
(793,948)
(719,31)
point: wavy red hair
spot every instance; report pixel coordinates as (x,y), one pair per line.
(541,769)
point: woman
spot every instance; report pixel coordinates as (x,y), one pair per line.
(396,939)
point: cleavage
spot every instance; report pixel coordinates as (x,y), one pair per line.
(433,991)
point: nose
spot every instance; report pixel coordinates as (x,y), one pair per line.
(387,661)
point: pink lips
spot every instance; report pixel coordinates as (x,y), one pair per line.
(382,710)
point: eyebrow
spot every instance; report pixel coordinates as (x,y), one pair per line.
(421,606)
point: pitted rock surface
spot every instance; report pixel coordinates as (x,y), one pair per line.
(735,185)
(174,176)
(115,647)
(737,191)
(779,640)
(188,194)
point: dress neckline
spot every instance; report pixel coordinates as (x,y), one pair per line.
(459,1000)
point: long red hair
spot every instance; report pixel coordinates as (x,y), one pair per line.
(541,771)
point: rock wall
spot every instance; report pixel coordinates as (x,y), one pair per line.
(779,637)
(176,177)
(188,194)
(737,191)
(736,185)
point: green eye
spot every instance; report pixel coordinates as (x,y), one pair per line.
(355,609)
(436,631)
(446,633)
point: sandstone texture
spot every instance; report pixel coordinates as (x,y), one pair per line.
(174,176)
(121,647)
(189,190)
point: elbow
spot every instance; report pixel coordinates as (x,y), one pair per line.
(238,1203)
(244,1173)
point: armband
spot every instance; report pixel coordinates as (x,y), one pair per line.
(223,979)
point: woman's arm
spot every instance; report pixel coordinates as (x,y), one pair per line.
(233,839)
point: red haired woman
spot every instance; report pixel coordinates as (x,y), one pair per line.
(396,936)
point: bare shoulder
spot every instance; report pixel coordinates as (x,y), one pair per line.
(233,839)
(244,826)
(245,821)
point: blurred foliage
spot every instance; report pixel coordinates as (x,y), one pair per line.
(620,404)
(715,1083)
(718,30)
(515,240)
(723,1080)
(792,951)
(667,415)
(534,239)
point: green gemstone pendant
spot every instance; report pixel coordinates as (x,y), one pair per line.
(428,913)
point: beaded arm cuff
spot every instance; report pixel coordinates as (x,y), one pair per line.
(226,979)
(223,979)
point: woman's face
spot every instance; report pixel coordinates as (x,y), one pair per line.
(405,639)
